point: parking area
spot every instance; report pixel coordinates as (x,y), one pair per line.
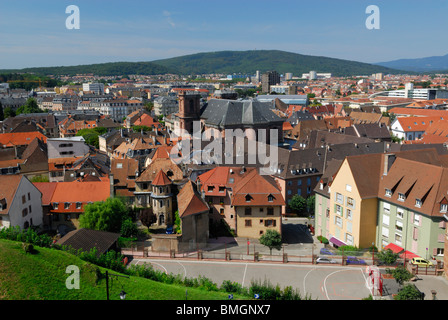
(321,282)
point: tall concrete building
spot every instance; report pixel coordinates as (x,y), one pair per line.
(268,79)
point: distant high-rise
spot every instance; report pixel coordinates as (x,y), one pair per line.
(268,79)
(97,88)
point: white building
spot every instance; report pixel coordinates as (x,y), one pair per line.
(20,202)
(165,106)
(97,88)
(67,147)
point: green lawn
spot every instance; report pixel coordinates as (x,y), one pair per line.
(42,276)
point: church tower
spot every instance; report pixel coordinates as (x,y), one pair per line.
(189,110)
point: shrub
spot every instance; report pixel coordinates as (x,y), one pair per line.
(322,239)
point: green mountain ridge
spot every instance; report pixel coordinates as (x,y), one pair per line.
(224,62)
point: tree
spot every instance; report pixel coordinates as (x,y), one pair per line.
(310,203)
(400,274)
(9,112)
(104,215)
(409,292)
(298,203)
(147,217)
(272,239)
(128,228)
(29,107)
(387,256)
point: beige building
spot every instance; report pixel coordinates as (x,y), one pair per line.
(353,201)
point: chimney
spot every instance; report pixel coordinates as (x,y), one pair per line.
(389,159)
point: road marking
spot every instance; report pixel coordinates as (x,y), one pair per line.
(166,271)
(244,276)
(304,279)
(185,269)
(325,281)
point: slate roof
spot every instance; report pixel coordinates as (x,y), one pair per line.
(86,240)
(223,113)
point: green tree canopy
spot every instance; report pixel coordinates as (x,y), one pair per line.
(29,107)
(104,215)
(298,203)
(271,239)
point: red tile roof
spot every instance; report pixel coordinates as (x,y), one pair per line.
(189,201)
(20,138)
(161,179)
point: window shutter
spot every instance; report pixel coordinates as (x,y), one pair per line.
(434,251)
(441,237)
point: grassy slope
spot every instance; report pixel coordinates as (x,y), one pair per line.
(42,276)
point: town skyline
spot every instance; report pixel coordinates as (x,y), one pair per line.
(35,35)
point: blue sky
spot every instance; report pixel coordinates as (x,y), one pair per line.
(33,33)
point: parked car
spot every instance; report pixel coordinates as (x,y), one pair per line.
(421,262)
(326,251)
(169,230)
(325,260)
(354,260)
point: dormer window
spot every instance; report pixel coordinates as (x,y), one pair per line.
(388,193)
(248,198)
(443,207)
(401,197)
(270,198)
(418,203)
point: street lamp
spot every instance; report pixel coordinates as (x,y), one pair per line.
(122,293)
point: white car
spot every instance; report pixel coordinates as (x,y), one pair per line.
(325,260)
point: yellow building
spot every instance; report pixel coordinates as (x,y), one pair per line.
(353,201)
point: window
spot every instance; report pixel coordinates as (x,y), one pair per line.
(78,205)
(398,225)
(23,199)
(270,223)
(348,238)
(386,208)
(55,205)
(350,202)
(29,196)
(24,212)
(349,214)
(418,203)
(400,213)
(248,211)
(386,220)
(339,198)
(270,212)
(348,188)
(270,198)
(248,223)
(416,219)
(338,221)
(248,197)
(210,188)
(222,189)
(67,205)
(398,239)
(401,197)
(443,207)
(388,193)
(339,210)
